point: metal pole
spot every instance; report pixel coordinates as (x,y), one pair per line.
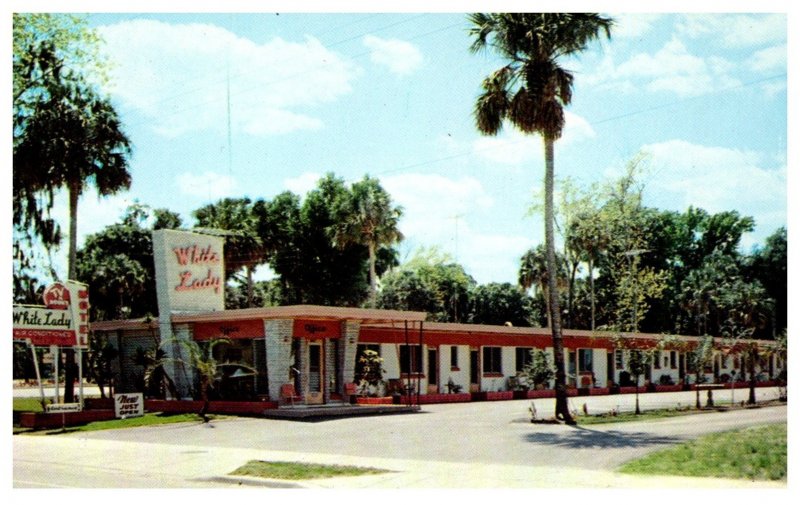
(36,369)
(422,352)
(408,368)
(80,375)
(56,358)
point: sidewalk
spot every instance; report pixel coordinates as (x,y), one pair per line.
(163,466)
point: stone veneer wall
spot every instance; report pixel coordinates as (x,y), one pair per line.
(330,368)
(180,368)
(278,335)
(348,347)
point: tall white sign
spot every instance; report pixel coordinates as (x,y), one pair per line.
(190,271)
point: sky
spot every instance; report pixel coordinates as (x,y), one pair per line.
(231,105)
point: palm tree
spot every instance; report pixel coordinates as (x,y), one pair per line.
(531,91)
(368,217)
(75,139)
(233,218)
(533,272)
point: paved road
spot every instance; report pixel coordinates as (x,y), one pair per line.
(443,442)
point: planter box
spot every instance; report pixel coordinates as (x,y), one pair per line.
(623,390)
(598,391)
(668,389)
(572,392)
(98,404)
(445,398)
(499,395)
(367,400)
(39,420)
(541,393)
(216,407)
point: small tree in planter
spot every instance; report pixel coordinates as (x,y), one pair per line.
(638,362)
(700,358)
(369,373)
(540,371)
(201,359)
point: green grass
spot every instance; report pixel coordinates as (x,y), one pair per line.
(647,415)
(149,419)
(27,405)
(300,471)
(754,453)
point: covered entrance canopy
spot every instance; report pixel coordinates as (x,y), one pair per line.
(310,350)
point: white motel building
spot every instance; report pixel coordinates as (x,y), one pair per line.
(312,350)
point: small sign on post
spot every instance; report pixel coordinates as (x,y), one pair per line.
(60,408)
(128,405)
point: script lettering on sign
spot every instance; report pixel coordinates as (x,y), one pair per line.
(190,271)
(128,405)
(195,255)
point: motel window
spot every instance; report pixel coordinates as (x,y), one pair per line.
(571,362)
(433,364)
(410,359)
(657,360)
(524,357)
(454,357)
(585,360)
(619,362)
(673,360)
(492,362)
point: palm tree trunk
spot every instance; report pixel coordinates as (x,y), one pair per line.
(591,287)
(373,277)
(70,373)
(249,270)
(562,409)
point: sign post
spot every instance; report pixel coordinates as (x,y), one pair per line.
(36,369)
(56,361)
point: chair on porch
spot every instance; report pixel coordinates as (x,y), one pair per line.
(289,394)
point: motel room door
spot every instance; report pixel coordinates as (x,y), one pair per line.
(315,372)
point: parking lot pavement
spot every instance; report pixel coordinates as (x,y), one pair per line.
(115,464)
(488,444)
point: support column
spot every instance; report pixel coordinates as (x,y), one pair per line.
(278,346)
(348,347)
(179,366)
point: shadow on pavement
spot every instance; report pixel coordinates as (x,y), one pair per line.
(578,437)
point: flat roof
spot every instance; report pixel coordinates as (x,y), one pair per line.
(312,312)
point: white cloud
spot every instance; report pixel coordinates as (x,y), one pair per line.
(735,30)
(513,147)
(627,26)
(441,211)
(398,56)
(717,179)
(431,203)
(303,183)
(674,69)
(210,185)
(768,60)
(176,75)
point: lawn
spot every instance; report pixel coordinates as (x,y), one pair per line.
(646,415)
(757,453)
(301,471)
(149,419)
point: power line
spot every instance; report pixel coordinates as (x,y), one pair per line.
(592,123)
